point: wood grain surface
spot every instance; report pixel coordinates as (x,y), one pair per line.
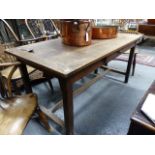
(15,113)
(64,60)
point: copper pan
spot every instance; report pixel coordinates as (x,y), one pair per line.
(104,32)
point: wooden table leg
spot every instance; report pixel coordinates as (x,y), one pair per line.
(127,74)
(67,94)
(25,77)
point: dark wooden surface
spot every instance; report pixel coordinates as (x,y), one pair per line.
(70,64)
(140,124)
(147,28)
(151,21)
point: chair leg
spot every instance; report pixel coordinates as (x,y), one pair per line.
(16,88)
(44,120)
(106,63)
(134,64)
(50,84)
(96,71)
(3,90)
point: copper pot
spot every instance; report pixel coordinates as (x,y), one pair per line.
(76,32)
(104,32)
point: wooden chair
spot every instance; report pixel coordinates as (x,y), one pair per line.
(15,112)
(6,32)
(6,70)
(11,74)
(35,75)
(42,28)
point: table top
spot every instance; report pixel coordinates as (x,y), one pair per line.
(65,60)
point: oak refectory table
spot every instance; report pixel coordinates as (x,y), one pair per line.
(69,63)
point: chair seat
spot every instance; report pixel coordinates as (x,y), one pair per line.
(17,74)
(15,113)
